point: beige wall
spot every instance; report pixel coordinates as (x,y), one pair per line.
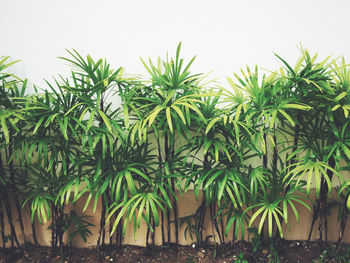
(187,205)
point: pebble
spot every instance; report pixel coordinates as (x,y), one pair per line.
(200,254)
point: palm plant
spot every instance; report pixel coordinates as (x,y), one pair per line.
(167,106)
(318,134)
(51,145)
(101,130)
(266,109)
(254,159)
(12,98)
(219,171)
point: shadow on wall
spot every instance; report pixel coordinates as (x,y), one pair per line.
(187,205)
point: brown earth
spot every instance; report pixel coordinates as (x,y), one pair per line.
(288,251)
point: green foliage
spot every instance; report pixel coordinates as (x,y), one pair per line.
(80,226)
(331,254)
(241,259)
(255,150)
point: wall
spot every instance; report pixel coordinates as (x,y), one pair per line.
(225,34)
(187,205)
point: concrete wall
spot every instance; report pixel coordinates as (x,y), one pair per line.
(187,205)
(224,34)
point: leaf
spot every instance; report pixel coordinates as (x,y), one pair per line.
(130,182)
(296,106)
(179,112)
(346,150)
(105,119)
(154,114)
(336,107)
(211,123)
(287,117)
(126,116)
(168,116)
(340,96)
(5,129)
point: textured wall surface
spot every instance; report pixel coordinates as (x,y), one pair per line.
(187,205)
(226,34)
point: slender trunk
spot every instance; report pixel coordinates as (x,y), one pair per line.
(168,226)
(175,213)
(60,229)
(200,224)
(222,230)
(110,231)
(296,137)
(275,155)
(147,237)
(214,221)
(316,208)
(34,231)
(56,228)
(343,221)
(162,227)
(108,199)
(160,166)
(166,151)
(2,224)
(119,234)
(320,209)
(153,233)
(101,236)
(53,230)
(203,206)
(174,199)
(233,233)
(10,220)
(15,191)
(117,229)
(265,155)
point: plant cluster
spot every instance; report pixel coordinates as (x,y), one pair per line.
(252,153)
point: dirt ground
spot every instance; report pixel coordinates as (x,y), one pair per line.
(288,251)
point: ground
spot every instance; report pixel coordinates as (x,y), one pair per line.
(288,251)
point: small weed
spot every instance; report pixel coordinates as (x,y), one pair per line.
(190,259)
(241,259)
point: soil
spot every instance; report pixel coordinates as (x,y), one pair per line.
(288,251)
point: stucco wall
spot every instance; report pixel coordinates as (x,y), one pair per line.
(187,205)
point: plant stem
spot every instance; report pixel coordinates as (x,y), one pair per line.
(2,225)
(101,236)
(34,231)
(265,155)
(160,168)
(343,221)
(320,209)
(214,221)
